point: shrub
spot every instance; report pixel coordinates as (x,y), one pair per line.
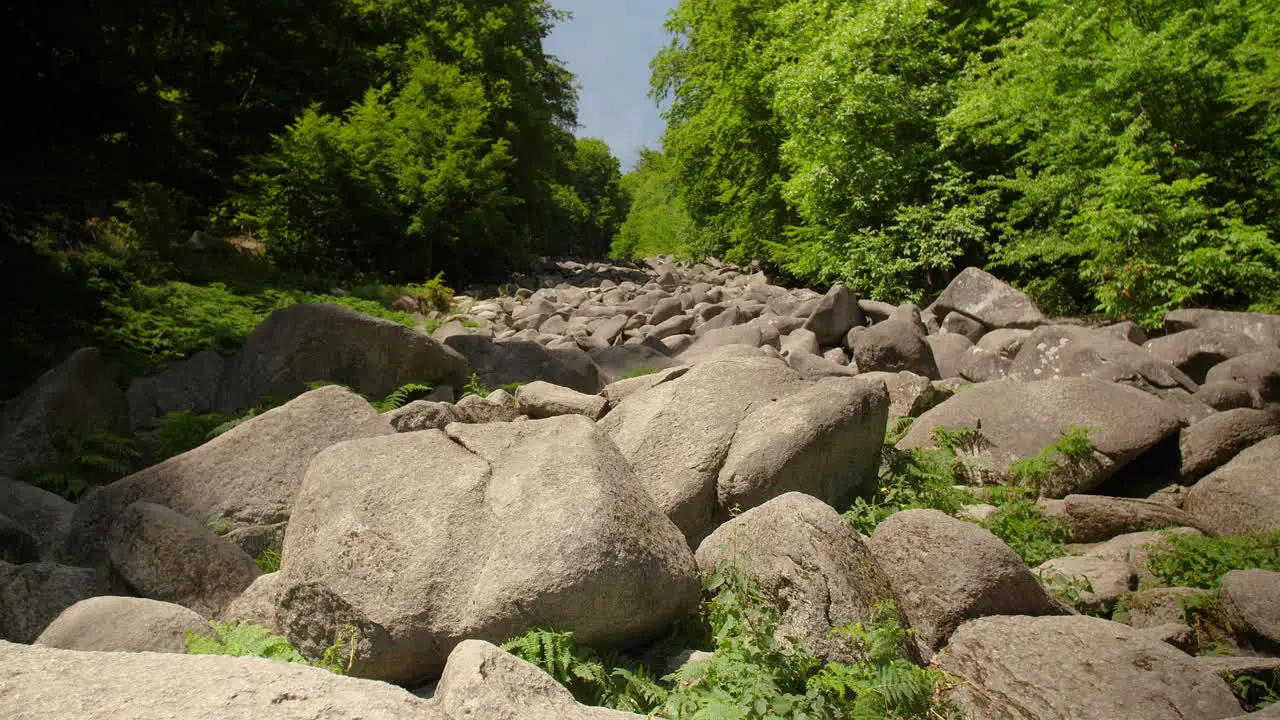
(1052,471)
(911,479)
(178,432)
(1021,525)
(1198,561)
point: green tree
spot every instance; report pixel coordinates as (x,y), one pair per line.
(657,221)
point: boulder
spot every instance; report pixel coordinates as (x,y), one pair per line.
(1251,607)
(945,571)
(1213,441)
(1225,395)
(249,475)
(1078,668)
(1018,419)
(258,604)
(54,683)
(422,540)
(1259,327)
(1258,371)
(950,352)
(987,299)
(40,514)
(1195,351)
(497,406)
(910,394)
(963,325)
(76,394)
(1055,351)
(1135,548)
(16,544)
(316,341)
(834,314)
(616,392)
(1005,342)
(481,680)
(677,434)
(1242,496)
(892,346)
(1129,330)
(423,415)
(750,334)
(798,549)
(511,361)
(1096,518)
(112,623)
(540,399)
(824,440)
(34,594)
(800,341)
(167,556)
(190,384)
(1156,607)
(980,365)
(1101,582)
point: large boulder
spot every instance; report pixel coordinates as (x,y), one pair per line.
(249,475)
(77,394)
(168,556)
(1258,371)
(945,571)
(422,540)
(1251,607)
(1078,668)
(824,440)
(190,384)
(1213,441)
(123,624)
(1097,518)
(481,680)
(1102,581)
(1195,351)
(519,361)
(894,345)
(987,299)
(33,594)
(46,517)
(834,314)
(1055,351)
(540,399)
(621,361)
(316,341)
(1018,419)
(1259,327)
(1242,496)
(51,683)
(798,549)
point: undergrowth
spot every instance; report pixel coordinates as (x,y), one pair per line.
(241,639)
(751,673)
(1023,527)
(1200,561)
(82,458)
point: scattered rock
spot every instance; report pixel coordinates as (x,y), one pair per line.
(32,595)
(834,314)
(1077,668)
(987,299)
(1213,441)
(39,514)
(892,346)
(1259,327)
(1242,496)
(423,415)
(502,363)
(1259,371)
(1095,518)
(1195,351)
(1251,607)
(1055,351)
(540,399)
(945,571)
(1099,582)
(258,604)
(123,624)
(1156,607)
(799,549)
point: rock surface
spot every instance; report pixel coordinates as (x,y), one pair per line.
(987,299)
(1242,496)
(33,595)
(1078,668)
(422,540)
(1251,606)
(123,624)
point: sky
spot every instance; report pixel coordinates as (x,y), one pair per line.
(608,45)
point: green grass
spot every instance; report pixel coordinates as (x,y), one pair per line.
(1023,527)
(1200,562)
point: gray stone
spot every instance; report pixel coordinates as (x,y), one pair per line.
(422,540)
(1259,327)
(52,683)
(259,603)
(1103,581)
(798,549)
(950,352)
(32,595)
(123,624)
(892,346)
(190,384)
(1242,496)
(167,556)
(910,394)
(616,392)
(1018,419)
(1129,330)
(1213,441)
(1258,371)
(1156,607)
(543,400)
(249,475)
(1251,607)
(1054,351)
(945,571)
(981,365)
(1134,548)
(1195,351)
(495,408)
(511,361)
(40,514)
(315,341)
(76,394)
(987,299)
(1006,342)
(824,440)
(1097,518)
(835,313)
(1078,668)
(1225,395)
(625,360)
(961,324)
(423,415)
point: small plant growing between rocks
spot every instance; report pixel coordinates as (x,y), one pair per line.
(1200,561)
(241,639)
(1053,470)
(1023,527)
(638,372)
(83,458)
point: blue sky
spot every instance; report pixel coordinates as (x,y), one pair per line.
(608,45)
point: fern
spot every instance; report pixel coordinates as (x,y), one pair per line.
(1051,472)
(82,458)
(241,639)
(401,396)
(475,387)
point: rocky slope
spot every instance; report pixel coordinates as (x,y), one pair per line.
(669,417)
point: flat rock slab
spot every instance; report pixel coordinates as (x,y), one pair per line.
(1078,668)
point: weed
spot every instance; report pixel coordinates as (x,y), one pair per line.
(268,561)
(221,526)
(638,372)
(178,432)
(1255,692)
(1199,561)
(910,479)
(1021,525)
(241,639)
(82,458)
(1070,589)
(475,387)
(1056,469)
